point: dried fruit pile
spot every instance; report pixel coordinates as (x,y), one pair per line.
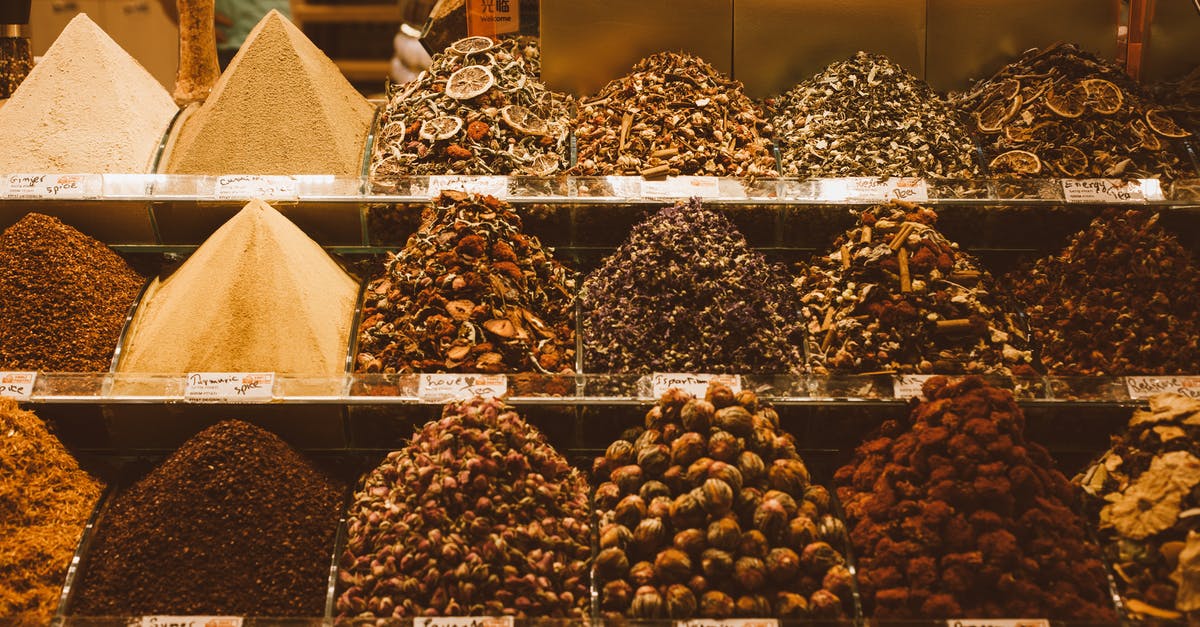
(1147,490)
(478,515)
(895,295)
(685,293)
(1122,298)
(956,514)
(1059,111)
(673,114)
(479,109)
(867,116)
(709,512)
(469,292)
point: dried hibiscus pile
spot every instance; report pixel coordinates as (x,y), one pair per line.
(478,515)
(708,512)
(1123,298)
(470,292)
(1147,490)
(894,295)
(956,514)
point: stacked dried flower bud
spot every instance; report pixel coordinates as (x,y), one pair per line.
(867,116)
(674,114)
(469,293)
(478,515)
(958,515)
(895,295)
(1147,490)
(686,294)
(709,512)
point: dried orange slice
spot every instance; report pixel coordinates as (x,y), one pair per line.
(543,165)
(1160,122)
(1009,88)
(1072,161)
(443,127)
(992,117)
(469,82)
(1068,103)
(524,120)
(472,45)
(1016,162)
(1103,96)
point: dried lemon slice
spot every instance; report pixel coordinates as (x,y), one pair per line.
(469,82)
(472,45)
(524,120)
(443,127)
(1069,103)
(1162,124)
(1072,161)
(1103,97)
(1009,88)
(991,118)
(1016,162)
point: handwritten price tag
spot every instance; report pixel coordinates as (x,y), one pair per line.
(463,621)
(17,385)
(229,387)
(1145,387)
(997,622)
(58,186)
(909,385)
(694,384)
(189,621)
(248,186)
(730,622)
(1102,190)
(683,187)
(437,388)
(485,185)
(873,189)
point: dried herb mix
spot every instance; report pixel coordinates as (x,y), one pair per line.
(1181,99)
(673,114)
(65,299)
(15,62)
(235,522)
(478,515)
(953,513)
(685,293)
(45,500)
(867,116)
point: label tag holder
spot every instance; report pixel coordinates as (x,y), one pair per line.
(250,186)
(1144,387)
(17,385)
(229,387)
(483,185)
(52,186)
(695,384)
(439,388)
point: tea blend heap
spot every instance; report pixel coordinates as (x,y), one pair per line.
(894,295)
(65,298)
(87,107)
(1061,112)
(1145,490)
(685,293)
(478,515)
(235,522)
(45,500)
(258,295)
(479,109)
(469,292)
(281,107)
(1181,99)
(956,514)
(867,116)
(673,114)
(708,512)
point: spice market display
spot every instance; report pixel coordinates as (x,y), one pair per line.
(672,114)
(709,512)
(894,295)
(954,513)
(867,116)
(1123,298)
(1144,495)
(477,515)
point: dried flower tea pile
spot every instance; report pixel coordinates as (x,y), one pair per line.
(709,512)
(956,514)
(867,116)
(1061,112)
(469,292)
(1147,490)
(673,114)
(895,295)
(685,293)
(478,515)
(479,109)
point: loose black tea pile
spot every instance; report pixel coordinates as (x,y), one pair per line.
(235,522)
(685,293)
(867,116)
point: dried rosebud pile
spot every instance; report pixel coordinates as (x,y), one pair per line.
(478,515)
(478,109)
(1059,111)
(685,293)
(895,295)
(956,514)
(469,292)
(708,512)
(867,116)
(673,114)
(1122,298)
(1147,490)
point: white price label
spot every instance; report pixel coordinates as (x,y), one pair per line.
(250,186)
(189,621)
(463,621)
(484,185)
(1145,387)
(694,384)
(909,385)
(729,622)
(1102,191)
(17,385)
(997,622)
(912,189)
(229,387)
(682,187)
(61,186)
(438,388)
